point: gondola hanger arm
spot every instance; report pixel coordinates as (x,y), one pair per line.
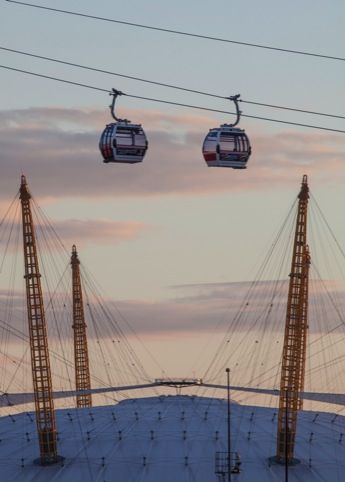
(115,93)
(235,99)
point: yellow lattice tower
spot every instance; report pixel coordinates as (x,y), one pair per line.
(294,351)
(81,357)
(41,373)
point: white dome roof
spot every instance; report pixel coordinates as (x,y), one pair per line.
(169,439)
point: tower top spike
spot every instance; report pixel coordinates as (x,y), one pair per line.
(304,192)
(24,191)
(74,257)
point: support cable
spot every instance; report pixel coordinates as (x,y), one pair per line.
(162,101)
(214,370)
(164,84)
(95,289)
(180,32)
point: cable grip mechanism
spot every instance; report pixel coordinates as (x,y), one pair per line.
(115,93)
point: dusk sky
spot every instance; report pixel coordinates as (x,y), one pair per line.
(159,233)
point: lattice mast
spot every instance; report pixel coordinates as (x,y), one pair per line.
(41,373)
(81,357)
(294,351)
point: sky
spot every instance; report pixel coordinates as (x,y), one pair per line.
(154,233)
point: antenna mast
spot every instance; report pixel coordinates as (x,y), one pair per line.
(294,351)
(41,374)
(81,357)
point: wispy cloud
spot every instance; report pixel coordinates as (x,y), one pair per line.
(101,231)
(208,308)
(58,150)
(77,231)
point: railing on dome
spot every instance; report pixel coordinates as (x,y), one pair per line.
(178,382)
(222,465)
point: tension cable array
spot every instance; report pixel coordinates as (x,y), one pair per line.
(164,84)
(162,101)
(179,32)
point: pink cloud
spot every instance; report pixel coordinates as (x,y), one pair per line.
(58,151)
(100,231)
(80,232)
(212,307)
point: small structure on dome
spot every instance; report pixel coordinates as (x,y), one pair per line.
(178,382)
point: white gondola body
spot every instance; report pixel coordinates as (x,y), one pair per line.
(226,146)
(123,142)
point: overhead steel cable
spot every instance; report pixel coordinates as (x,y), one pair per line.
(164,84)
(103,71)
(162,101)
(78,84)
(293,109)
(180,32)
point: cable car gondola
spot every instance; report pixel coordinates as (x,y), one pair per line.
(227,145)
(122,141)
